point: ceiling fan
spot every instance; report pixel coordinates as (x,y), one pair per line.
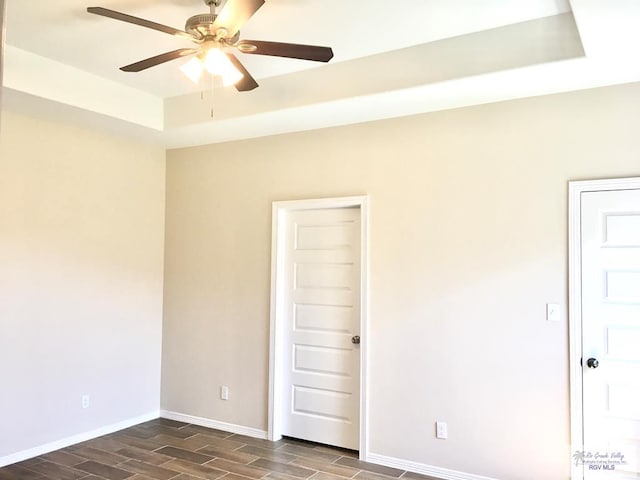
(214,34)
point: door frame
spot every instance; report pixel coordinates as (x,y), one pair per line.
(576,189)
(276,362)
(3,31)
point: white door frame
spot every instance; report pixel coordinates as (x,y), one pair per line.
(3,31)
(276,362)
(575,301)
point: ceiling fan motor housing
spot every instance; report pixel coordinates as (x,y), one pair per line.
(202,26)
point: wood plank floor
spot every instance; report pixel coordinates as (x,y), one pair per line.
(167,450)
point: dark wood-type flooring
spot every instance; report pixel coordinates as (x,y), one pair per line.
(168,450)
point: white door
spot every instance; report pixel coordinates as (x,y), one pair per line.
(321,357)
(610,263)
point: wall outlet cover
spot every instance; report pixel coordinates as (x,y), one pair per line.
(224,392)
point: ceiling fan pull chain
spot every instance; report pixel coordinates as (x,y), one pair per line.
(212,94)
(204,94)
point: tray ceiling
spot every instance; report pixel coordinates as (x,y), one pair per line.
(391,59)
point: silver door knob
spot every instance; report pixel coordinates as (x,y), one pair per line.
(355,340)
(593,363)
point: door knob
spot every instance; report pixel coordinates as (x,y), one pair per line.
(355,340)
(593,363)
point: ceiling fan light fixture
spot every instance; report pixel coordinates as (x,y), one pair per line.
(193,69)
(217,63)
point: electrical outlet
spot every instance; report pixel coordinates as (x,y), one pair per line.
(86,401)
(441,430)
(224,392)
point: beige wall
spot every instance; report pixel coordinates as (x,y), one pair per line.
(468,244)
(81,259)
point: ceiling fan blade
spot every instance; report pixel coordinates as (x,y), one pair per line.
(288,50)
(123,17)
(235,14)
(158,59)
(248,82)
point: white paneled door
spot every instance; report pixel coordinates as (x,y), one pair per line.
(610,277)
(321,305)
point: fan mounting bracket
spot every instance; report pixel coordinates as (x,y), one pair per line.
(201,27)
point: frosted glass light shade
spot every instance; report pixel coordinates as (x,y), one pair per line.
(217,63)
(193,69)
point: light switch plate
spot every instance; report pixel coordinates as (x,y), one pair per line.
(553,312)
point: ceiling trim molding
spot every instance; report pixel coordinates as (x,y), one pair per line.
(41,77)
(532,58)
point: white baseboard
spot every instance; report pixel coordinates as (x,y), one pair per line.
(206,422)
(79,438)
(438,472)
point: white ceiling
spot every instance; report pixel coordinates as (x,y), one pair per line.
(391,58)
